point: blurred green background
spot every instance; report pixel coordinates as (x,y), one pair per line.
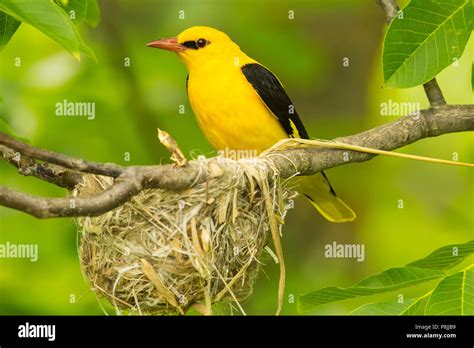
(307,54)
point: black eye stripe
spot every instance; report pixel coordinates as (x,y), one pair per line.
(196,44)
(190,44)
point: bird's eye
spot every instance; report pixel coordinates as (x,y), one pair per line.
(201,43)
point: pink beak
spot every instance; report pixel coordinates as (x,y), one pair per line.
(170,44)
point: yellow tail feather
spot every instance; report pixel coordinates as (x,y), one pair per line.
(319,192)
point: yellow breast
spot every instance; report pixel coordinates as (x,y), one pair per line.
(229,111)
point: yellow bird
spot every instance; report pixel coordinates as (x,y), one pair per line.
(241,105)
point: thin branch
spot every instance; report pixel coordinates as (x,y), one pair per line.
(51,173)
(434,94)
(40,207)
(304,161)
(77,164)
(407,130)
(432,90)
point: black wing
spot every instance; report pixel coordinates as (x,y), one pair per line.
(275,98)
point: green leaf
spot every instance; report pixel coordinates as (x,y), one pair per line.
(383,308)
(454,295)
(417,307)
(8,27)
(446,257)
(93,13)
(391,279)
(429,37)
(49,18)
(75,9)
(413,306)
(429,268)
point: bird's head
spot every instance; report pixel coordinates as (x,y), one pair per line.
(199,45)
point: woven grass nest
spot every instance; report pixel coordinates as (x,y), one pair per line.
(164,251)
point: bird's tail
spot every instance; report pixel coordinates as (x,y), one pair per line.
(319,192)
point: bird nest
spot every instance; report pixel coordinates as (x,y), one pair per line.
(165,251)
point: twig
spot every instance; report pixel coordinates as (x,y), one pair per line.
(434,94)
(297,142)
(51,173)
(78,164)
(168,142)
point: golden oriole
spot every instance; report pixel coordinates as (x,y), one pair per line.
(241,105)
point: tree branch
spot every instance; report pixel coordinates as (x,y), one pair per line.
(77,164)
(432,90)
(304,161)
(407,130)
(51,173)
(434,94)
